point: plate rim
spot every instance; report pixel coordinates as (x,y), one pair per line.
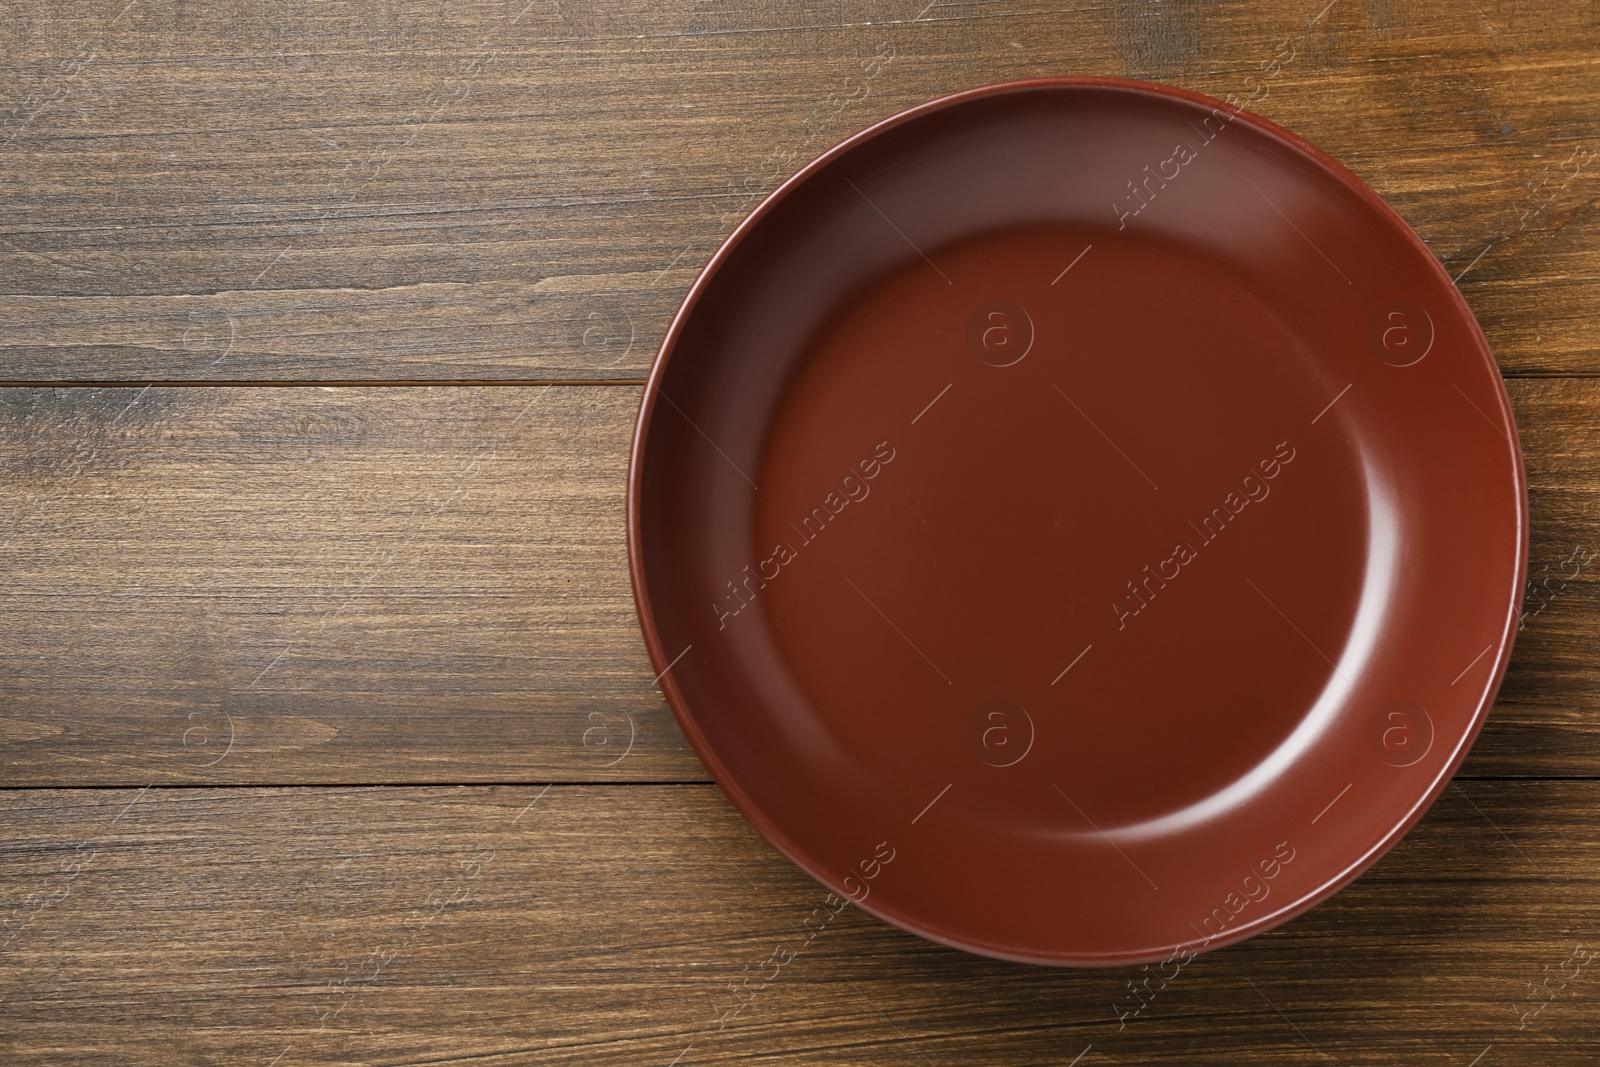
(662,663)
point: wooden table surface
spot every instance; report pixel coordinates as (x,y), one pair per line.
(327,729)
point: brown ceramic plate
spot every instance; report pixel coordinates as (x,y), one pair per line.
(1078,522)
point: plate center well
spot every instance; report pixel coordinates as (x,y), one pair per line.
(1045,508)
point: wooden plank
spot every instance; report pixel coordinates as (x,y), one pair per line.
(1545,720)
(344,584)
(603,925)
(493,189)
(429,584)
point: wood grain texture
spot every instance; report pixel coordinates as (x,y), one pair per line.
(381,584)
(214,590)
(603,925)
(505,189)
(429,584)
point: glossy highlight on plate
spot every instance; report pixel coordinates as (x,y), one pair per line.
(1090,495)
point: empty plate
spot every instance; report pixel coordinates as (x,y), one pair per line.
(1078,522)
